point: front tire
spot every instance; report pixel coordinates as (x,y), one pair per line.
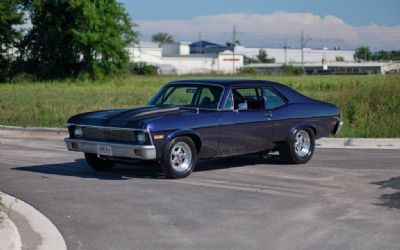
(179,157)
(98,163)
(300,147)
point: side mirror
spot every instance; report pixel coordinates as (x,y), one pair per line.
(242,106)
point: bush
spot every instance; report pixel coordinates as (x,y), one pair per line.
(339,59)
(143,69)
(291,70)
(248,71)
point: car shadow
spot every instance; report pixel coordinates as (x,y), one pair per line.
(79,168)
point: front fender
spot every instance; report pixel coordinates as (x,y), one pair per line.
(160,146)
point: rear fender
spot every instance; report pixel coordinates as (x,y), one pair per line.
(302,126)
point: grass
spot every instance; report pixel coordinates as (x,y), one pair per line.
(370,105)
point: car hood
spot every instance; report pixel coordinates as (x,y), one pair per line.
(127,118)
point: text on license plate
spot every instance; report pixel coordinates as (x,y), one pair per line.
(104,150)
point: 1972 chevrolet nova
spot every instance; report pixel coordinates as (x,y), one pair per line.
(201,119)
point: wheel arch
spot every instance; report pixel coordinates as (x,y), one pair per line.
(311,126)
(193,135)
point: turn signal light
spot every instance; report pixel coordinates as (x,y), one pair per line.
(138,152)
(74,146)
(158,137)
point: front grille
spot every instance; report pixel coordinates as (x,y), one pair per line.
(109,134)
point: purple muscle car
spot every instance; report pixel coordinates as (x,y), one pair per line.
(202,119)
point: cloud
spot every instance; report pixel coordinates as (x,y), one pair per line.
(271,30)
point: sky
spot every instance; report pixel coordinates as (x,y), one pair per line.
(268,23)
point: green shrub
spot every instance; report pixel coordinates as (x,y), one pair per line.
(292,70)
(248,71)
(143,69)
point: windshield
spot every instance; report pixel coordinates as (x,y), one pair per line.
(189,95)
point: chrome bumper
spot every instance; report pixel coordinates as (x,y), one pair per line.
(339,127)
(147,152)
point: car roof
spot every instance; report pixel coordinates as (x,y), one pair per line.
(227,82)
(290,94)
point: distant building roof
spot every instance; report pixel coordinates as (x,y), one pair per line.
(205,44)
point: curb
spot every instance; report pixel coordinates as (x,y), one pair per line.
(9,235)
(359,143)
(345,143)
(51,238)
(34,129)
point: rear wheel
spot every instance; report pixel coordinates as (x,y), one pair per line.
(98,163)
(179,157)
(300,147)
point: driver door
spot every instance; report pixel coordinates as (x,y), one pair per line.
(245,125)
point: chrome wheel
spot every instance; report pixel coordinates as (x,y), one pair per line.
(302,143)
(181,157)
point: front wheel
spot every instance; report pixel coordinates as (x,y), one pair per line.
(299,148)
(98,163)
(179,157)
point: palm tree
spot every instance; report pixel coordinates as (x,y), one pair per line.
(162,38)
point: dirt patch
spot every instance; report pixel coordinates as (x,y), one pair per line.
(390,200)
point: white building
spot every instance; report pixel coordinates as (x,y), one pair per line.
(294,55)
(175,58)
(363,68)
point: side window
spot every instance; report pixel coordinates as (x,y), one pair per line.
(252,97)
(181,96)
(206,99)
(272,99)
(229,101)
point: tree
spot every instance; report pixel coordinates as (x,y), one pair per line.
(263,57)
(229,44)
(73,37)
(363,53)
(10,17)
(162,38)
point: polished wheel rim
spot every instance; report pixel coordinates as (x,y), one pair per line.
(302,143)
(181,157)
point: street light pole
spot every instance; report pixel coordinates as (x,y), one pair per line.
(233,49)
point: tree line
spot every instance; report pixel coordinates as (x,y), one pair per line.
(50,39)
(56,39)
(365,54)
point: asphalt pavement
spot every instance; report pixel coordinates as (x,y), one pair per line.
(341,199)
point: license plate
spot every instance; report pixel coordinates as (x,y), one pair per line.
(104,150)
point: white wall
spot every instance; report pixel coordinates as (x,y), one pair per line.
(224,63)
(294,55)
(174,49)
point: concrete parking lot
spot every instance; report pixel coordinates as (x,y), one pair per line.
(342,199)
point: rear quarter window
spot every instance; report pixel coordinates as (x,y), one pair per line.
(272,99)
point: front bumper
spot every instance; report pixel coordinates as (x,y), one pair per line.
(338,127)
(144,152)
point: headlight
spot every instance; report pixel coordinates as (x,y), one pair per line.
(78,132)
(141,137)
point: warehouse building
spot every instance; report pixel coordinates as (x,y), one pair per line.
(209,58)
(353,68)
(291,55)
(175,58)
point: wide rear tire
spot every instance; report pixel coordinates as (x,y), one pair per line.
(179,157)
(299,148)
(98,163)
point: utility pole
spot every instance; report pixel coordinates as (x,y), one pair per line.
(198,43)
(233,49)
(302,49)
(285,47)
